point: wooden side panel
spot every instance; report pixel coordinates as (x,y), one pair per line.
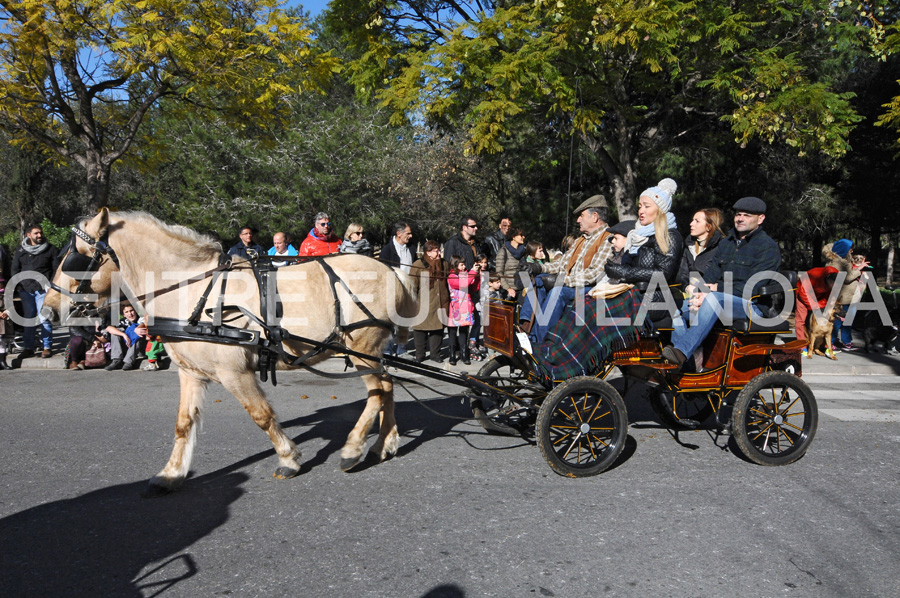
(498,335)
(743,368)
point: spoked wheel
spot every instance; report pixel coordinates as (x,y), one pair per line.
(682,410)
(581,427)
(498,413)
(775,418)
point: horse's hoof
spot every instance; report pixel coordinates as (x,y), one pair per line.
(380,456)
(156,491)
(285,473)
(348,464)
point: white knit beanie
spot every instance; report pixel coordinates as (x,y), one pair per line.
(662,194)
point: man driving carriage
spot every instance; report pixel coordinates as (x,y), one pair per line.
(746,251)
(581,266)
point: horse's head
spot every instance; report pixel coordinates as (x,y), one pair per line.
(84,279)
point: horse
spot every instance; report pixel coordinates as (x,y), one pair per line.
(368,296)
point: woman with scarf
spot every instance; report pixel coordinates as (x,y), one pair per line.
(654,244)
(430,273)
(508,260)
(702,244)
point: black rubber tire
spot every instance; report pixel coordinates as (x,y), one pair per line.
(775,418)
(687,411)
(567,431)
(501,415)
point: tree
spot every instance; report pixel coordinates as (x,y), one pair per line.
(631,79)
(77,78)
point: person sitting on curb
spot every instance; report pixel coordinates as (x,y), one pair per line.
(124,340)
(746,251)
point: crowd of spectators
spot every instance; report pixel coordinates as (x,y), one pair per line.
(458,276)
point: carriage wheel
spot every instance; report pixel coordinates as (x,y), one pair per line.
(775,418)
(682,410)
(581,427)
(499,414)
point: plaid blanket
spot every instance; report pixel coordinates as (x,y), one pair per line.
(579,347)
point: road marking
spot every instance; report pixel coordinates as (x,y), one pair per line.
(863,415)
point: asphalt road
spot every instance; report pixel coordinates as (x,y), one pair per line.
(457,513)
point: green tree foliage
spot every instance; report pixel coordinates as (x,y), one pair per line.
(78,77)
(631,79)
(329,154)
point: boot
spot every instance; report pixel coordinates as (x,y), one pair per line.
(3,364)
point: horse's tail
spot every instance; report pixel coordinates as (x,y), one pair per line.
(408,301)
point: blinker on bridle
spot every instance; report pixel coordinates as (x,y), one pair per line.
(80,267)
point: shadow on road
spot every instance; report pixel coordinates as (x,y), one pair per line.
(98,544)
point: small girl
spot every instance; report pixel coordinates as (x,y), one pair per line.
(476,348)
(461,314)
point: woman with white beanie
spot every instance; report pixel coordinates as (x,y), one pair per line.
(655,244)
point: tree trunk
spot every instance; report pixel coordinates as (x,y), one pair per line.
(620,177)
(97,181)
(892,245)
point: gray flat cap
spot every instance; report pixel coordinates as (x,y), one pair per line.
(751,205)
(595,201)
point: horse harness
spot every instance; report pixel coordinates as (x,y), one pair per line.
(269,343)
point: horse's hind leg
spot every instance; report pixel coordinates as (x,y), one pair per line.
(245,388)
(380,401)
(193,390)
(388,438)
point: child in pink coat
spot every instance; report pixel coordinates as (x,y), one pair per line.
(462,310)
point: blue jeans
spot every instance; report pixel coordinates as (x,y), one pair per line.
(32,304)
(687,339)
(842,332)
(558,298)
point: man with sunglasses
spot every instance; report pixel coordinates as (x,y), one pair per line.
(463,243)
(321,240)
(37,258)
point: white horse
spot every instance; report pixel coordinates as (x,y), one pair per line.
(153,255)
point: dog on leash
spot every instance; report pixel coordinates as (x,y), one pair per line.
(819,330)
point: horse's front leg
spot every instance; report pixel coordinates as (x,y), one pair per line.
(245,388)
(193,390)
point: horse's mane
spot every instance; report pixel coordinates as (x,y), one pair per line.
(201,246)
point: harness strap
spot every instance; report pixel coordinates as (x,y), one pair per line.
(334,278)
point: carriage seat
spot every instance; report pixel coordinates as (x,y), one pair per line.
(770,300)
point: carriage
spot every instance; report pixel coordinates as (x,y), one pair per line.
(750,384)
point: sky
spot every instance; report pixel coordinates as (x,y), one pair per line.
(313,6)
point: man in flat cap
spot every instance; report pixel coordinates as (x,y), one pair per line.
(581,266)
(747,250)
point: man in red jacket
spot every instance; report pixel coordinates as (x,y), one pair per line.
(821,281)
(320,240)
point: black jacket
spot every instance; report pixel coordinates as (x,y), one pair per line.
(4,266)
(702,262)
(44,263)
(456,245)
(650,260)
(492,244)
